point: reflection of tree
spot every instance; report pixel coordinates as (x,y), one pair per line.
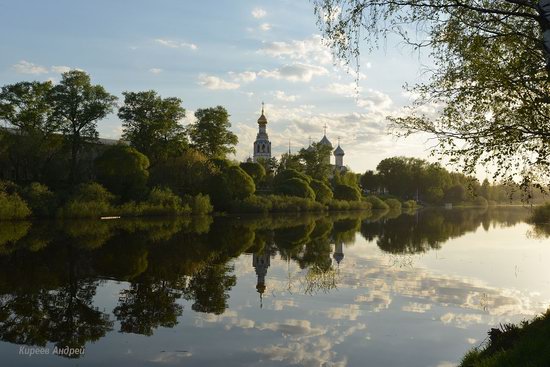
(319,280)
(146,306)
(209,288)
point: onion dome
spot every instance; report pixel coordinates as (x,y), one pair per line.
(339,151)
(325,141)
(262,120)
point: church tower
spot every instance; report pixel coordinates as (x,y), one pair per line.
(339,156)
(262,145)
(324,141)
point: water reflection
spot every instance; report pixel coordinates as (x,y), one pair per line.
(50,272)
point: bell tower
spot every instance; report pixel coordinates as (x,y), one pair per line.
(262,145)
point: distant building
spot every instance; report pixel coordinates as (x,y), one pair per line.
(261,262)
(262,145)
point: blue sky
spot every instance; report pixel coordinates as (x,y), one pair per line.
(232,53)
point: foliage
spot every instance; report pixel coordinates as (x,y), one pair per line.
(275,204)
(490,79)
(541,214)
(78,105)
(346,192)
(185,174)
(40,199)
(254,170)
(151,124)
(316,160)
(232,183)
(210,133)
(409,204)
(370,181)
(89,200)
(295,187)
(123,171)
(287,174)
(199,204)
(393,204)
(376,202)
(514,345)
(349,205)
(323,193)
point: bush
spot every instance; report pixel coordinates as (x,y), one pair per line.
(275,203)
(349,205)
(541,214)
(87,201)
(376,202)
(232,183)
(254,170)
(346,192)
(323,193)
(123,171)
(199,204)
(40,199)
(295,187)
(393,204)
(287,174)
(13,207)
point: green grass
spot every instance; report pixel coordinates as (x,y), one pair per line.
(526,344)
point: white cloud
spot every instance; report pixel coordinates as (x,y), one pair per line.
(215,83)
(259,13)
(176,44)
(375,101)
(347,90)
(25,67)
(60,69)
(265,26)
(244,77)
(295,72)
(282,96)
(309,50)
(155,70)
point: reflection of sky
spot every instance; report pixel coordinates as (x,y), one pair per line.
(388,310)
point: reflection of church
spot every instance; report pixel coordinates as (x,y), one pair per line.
(338,254)
(261,262)
(262,145)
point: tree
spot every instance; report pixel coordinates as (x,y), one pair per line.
(210,134)
(231,183)
(30,144)
(152,124)
(323,193)
(254,170)
(490,80)
(315,162)
(370,181)
(78,105)
(295,187)
(123,171)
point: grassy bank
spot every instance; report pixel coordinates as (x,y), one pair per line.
(526,344)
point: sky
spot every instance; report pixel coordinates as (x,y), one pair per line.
(233,53)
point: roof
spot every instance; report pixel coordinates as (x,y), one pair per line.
(339,150)
(262,119)
(325,141)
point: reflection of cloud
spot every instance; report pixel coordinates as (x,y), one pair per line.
(461,320)
(280,304)
(416,307)
(309,355)
(171,357)
(376,300)
(293,328)
(351,312)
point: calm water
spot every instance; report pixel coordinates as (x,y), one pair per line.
(344,290)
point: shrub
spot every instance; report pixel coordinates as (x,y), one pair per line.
(349,205)
(295,187)
(199,204)
(254,170)
(232,183)
(275,203)
(323,193)
(376,202)
(346,192)
(123,171)
(393,204)
(87,201)
(40,199)
(287,174)
(13,207)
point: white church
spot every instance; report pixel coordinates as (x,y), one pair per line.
(262,145)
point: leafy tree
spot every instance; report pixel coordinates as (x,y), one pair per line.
(323,193)
(40,199)
(291,161)
(370,181)
(346,192)
(456,194)
(288,174)
(123,171)
(254,170)
(30,144)
(315,162)
(210,133)
(231,183)
(152,124)
(78,105)
(490,80)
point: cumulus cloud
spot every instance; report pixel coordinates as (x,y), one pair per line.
(343,89)
(155,70)
(295,72)
(311,50)
(282,96)
(259,13)
(216,83)
(60,69)
(176,44)
(375,100)
(26,67)
(265,26)
(243,77)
